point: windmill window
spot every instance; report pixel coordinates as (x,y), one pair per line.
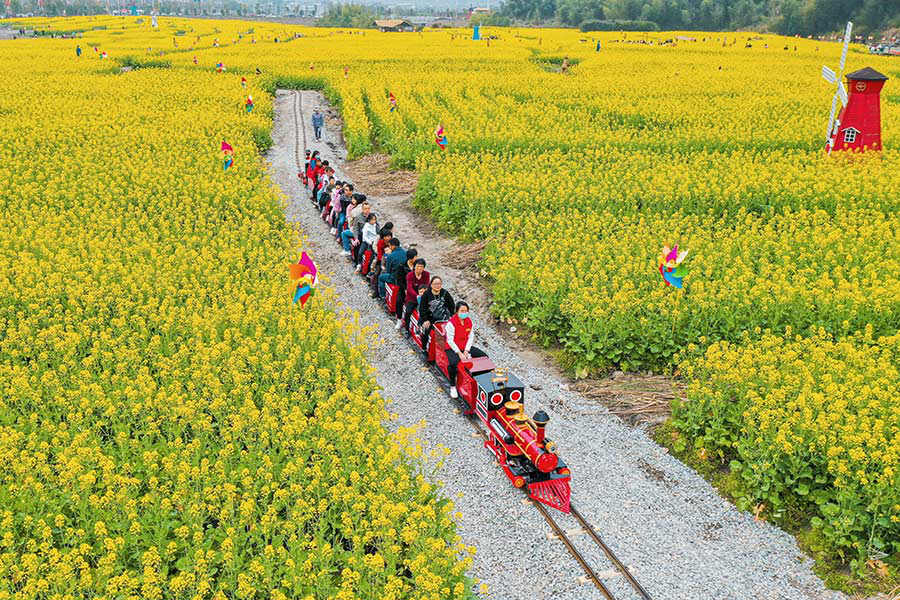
(850,135)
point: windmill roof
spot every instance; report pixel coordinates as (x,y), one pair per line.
(867,74)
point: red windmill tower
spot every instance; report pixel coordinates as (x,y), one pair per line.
(859,124)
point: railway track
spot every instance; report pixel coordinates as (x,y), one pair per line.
(591,574)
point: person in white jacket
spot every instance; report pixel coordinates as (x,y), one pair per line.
(369,238)
(459,334)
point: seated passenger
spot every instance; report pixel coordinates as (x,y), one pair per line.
(381,249)
(416,282)
(459,341)
(436,305)
(400,274)
(393,258)
(368,238)
(384,236)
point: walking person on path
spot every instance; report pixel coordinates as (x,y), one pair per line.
(318,122)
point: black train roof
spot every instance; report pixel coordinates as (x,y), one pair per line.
(867,74)
(484,381)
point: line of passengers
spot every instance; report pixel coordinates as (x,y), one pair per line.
(355,226)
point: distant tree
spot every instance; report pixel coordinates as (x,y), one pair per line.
(533,10)
(789,17)
(624,10)
(347,15)
(490,20)
(573,12)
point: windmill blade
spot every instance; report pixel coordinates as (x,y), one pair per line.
(846,44)
(829,75)
(830,132)
(842,93)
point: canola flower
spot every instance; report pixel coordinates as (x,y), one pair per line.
(811,426)
(577,180)
(171,426)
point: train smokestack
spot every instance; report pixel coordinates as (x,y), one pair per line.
(540,419)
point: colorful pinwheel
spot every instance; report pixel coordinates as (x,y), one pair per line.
(304,276)
(440,138)
(393,100)
(249,104)
(229,154)
(220,67)
(243,82)
(671,267)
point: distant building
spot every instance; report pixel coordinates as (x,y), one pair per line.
(394,25)
(481,11)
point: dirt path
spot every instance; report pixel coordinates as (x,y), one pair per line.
(676,535)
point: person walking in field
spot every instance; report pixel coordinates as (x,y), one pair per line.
(77,50)
(318,122)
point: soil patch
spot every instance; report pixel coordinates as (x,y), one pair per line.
(636,398)
(373,173)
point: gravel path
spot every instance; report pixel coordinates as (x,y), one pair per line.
(678,537)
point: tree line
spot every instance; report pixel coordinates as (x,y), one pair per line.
(789,17)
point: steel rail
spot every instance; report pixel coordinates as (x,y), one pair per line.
(609,553)
(592,575)
(298,118)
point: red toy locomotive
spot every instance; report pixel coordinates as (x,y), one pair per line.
(519,442)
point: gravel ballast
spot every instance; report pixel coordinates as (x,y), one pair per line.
(679,538)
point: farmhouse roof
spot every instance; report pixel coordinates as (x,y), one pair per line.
(867,74)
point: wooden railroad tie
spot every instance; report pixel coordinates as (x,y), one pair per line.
(608,574)
(570,533)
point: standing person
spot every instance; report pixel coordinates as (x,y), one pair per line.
(77,50)
(318,122)
(459,343)
(436,305)
(565,65)
(416,282)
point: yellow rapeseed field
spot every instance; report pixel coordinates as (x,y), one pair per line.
(576,179)
(171,426)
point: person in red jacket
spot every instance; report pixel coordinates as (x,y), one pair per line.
(459,343)
(311,166)
(318,174)
(304,176)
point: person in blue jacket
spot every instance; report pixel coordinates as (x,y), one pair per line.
(393,260)
(318,122)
